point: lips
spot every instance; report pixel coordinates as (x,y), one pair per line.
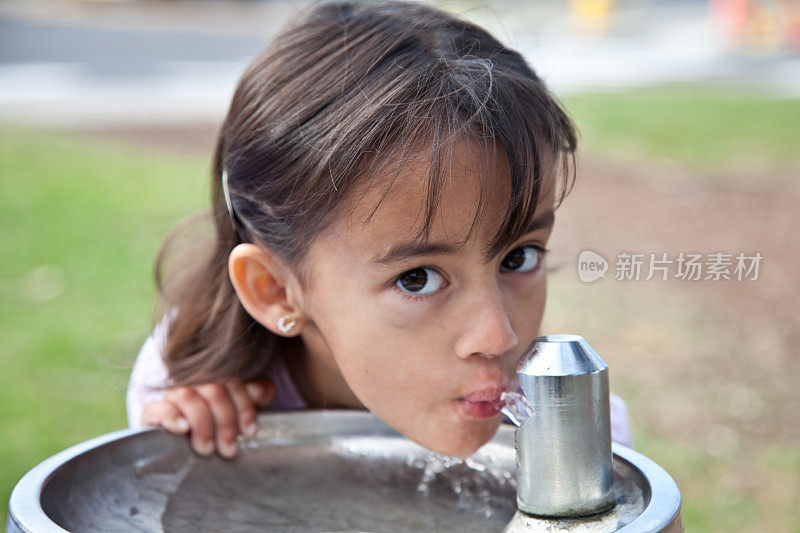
(488,394)
(482,403)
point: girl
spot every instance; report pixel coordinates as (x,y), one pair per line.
(383,193)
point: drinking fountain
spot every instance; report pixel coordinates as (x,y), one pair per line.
(566,470)
(564,447)
(346,470)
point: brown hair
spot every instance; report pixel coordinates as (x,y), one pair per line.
(334,101)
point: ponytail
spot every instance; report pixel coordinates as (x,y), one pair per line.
(210,336)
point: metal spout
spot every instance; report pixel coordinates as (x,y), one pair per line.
(564,461)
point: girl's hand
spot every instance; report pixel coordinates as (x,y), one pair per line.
(215,413)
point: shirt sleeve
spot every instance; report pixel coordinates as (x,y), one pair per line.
(620,422)
(148,371)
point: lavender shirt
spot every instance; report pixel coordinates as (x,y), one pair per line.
(149,371)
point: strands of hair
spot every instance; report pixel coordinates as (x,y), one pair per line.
(338,102)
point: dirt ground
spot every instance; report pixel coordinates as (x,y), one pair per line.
(706,365)
(751,328)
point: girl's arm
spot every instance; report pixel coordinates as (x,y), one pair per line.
(148,371)
(213,413)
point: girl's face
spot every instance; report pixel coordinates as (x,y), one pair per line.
(427,336)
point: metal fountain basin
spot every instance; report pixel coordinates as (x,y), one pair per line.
(330,470)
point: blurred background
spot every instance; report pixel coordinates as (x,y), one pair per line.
(689,113)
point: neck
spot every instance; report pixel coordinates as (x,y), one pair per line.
(317,378)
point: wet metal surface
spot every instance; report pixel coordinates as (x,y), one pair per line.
(308,471)
(565,462)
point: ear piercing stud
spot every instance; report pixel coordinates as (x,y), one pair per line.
(286,323)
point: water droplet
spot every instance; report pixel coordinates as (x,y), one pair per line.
(515,406)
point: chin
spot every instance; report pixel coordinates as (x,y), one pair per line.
(463,441)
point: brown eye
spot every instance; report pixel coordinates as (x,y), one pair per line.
(424,280)
(522,259)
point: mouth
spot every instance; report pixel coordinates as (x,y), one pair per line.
(483,403)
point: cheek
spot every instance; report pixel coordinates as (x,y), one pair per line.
(528,299)
(393,361)
(383,363)
(376,346)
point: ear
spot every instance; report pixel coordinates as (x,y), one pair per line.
(266,288)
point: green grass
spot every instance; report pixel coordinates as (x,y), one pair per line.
(711,129)
(79,228)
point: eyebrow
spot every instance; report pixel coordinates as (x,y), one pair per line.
(542,221)
(413,249)
(409,250)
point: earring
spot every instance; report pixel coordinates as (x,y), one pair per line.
(286,323)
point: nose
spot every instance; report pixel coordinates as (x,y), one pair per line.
(487,330)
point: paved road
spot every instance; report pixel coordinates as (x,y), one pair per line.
(58,70)
(83,73)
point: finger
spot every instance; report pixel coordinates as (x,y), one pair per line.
(196,411)
(245,409)
(261,391)
(166,414)
(226,423)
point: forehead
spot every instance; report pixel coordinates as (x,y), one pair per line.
(474,190)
